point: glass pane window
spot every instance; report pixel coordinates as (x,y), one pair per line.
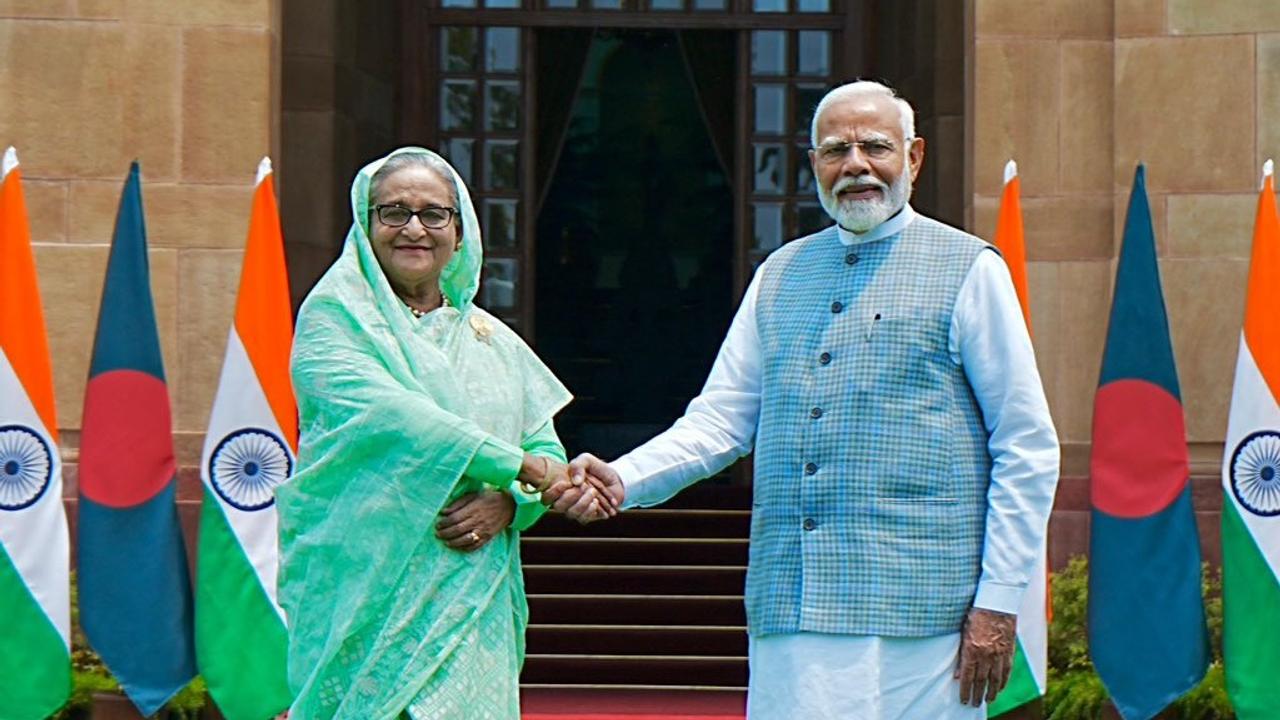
(458,105)
(501,165)
(770,169)
(459,47)
(606,4)
(502,105)
(810,218)
(559,4)
(666,4)
(804,171)
(502,3)
(813,5)
(458,3)
(502,49)
(769,52)
(806,101)
(767,226)
(499,284)
(769,5)
(458,151)
(710,4)
(814,57)
(500,223)
(771,103)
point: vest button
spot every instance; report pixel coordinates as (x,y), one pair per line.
(809,524)
(824,358)
(815,413)
(851,259)
(837,306)
(810,468)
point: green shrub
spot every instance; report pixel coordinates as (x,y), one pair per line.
(1068,643)
(90,676)
(1075,691)
(1074,695)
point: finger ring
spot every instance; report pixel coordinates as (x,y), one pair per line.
(474,536)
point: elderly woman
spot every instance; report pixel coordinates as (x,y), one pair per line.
(425,424)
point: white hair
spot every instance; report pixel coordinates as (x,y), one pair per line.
(863,88)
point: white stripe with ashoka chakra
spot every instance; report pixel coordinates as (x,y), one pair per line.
(1253,409)
(241,403)
(36,537)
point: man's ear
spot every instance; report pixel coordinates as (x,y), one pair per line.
(915,155)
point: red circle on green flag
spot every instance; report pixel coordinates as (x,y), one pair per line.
(1139,460)
(126,442)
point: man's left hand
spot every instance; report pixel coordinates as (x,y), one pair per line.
(474,519)
(986,654)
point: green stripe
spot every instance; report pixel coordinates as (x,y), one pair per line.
(1021,689)
(240,640)
(35,667)
(1251,621)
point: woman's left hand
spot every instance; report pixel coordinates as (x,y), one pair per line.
(474,519)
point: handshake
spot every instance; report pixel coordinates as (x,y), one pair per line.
(586,490)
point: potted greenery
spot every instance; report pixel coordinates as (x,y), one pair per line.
(1076,692)
(96,695)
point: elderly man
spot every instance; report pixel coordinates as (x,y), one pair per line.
(905,461)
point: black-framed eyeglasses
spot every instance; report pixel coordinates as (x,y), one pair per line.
(432,217)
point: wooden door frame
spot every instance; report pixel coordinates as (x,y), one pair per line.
(419,100)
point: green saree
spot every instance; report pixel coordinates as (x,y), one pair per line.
(398,417)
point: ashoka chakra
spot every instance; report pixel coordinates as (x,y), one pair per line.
(26,467)
(247,465)
(1255,473)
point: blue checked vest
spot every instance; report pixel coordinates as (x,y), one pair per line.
(871,461)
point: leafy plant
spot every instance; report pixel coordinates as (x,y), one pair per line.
(1068,642)
(1075,695)
(90,676)
(1075,692)
(189,701)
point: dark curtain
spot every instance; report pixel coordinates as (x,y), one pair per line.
(561,53)
(711,59)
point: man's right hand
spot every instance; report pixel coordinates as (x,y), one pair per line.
(585,471)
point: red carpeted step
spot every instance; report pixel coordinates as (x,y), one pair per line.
(719,671)
(637,609)
(633,551)
(559,702)
(582,639)
(636,579)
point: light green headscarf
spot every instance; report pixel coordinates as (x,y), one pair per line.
(392,409)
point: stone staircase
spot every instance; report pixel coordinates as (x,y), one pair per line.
(651,600)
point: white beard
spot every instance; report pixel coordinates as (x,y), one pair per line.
(860,216)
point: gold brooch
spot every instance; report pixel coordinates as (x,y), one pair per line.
(482,328)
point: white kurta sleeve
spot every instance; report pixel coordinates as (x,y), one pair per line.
(718,427)
(989,339)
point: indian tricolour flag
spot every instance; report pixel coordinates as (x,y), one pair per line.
(249,449)
(35,656)
(1251,482)
(1031,659)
